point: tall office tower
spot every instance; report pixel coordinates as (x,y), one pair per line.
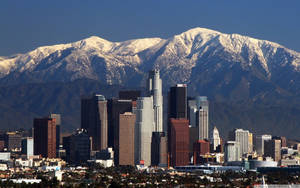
(27,146)
(201,147)
(78,147)
(58,123)
(130,95)
(144,126)
(44,137)
(242,137)
(216,141)
(178,101)
(94,120)
(198,109)
(115,107)
(232,151)
(126,137)
(179,151)
(259,143)
(154,87)
(250,142)
(12,141)
(272,148)
(159,149)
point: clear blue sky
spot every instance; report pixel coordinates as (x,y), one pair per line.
(27,24)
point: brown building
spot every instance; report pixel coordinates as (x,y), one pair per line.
(94,120)
(126,137)
(2,145)
(272,148)
(194,135)
(179,139)
(159,150)
(115,107)
(45,137)
(283,141)
(201,147)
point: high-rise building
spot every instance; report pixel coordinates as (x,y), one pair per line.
(116,107)
(199,115)
(159,149)
(272,148)
(250,142)
(231,151)
(216,141)
(201,147)
(126,138)
(242,138)
(179,151)
(78,147)
(58,124)
(259,143)
(12,141)
(154,87)
(27,146)
(45,137)
(94,120)
(178,101)
(130,95)
(144,127)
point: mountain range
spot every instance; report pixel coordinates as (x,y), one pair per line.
(251,83)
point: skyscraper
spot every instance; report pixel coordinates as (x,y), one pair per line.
(159,149)
(259,143)
(45,137)
(144,127)
(179,151)
(58,124)
(216,141)
(126,138)
(27,146)
(242,138)
(94,120)
(116,107)
(272,148)
(78,147)
(178,101)
(154,87)
(231,151)
(129,94)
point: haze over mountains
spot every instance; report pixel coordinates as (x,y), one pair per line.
(251,83)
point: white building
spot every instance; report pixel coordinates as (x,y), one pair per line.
(232,151)
(216,141)
(199,115)
(27,146)
(144,127)
(154,87)
(242,137)
(259,143)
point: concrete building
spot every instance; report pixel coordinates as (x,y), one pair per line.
(216,141)
(250,142)
(144,127)
(45,137)
(179,151)
(259,143)
(115,107)
(78,147)
(154,86)
(126,138)
(27,146)
(242,138)
(94,120)
(12,141)
(58,124)
(231,151)
(272,148)
(159,149)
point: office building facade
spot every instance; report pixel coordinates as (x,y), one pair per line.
(44,137)
(231,151)
(259,143)
(27,146)
(94,120)
(126,138)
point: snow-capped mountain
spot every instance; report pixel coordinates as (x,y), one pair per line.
(207,60)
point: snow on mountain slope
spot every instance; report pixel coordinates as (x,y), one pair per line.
(198,54)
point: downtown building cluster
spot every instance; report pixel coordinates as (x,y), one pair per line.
(135,129)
